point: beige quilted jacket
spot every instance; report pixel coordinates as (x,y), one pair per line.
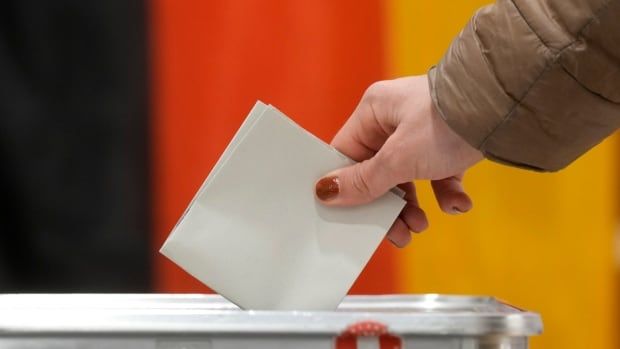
(534,83)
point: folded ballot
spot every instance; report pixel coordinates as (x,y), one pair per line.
(255,232)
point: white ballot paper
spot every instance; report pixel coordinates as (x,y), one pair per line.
(256,234)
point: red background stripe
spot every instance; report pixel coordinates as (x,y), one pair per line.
(214,59)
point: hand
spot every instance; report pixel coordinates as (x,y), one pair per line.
(398,136)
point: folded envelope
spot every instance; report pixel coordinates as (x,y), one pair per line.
(255,232)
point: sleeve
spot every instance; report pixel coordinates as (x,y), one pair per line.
(533,83)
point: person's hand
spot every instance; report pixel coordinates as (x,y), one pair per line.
(398,136)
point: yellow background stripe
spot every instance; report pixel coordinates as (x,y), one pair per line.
(541,241)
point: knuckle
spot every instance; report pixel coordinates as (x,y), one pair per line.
(375,90)
(360,181)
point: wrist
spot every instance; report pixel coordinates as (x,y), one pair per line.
(469,154)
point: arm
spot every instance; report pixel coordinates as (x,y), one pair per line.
(533,83)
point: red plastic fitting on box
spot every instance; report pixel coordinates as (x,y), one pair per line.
(348,338)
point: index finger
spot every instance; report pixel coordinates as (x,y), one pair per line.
(362,135)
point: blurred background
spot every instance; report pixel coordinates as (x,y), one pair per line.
(113,112)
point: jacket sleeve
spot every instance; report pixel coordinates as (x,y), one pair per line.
(533,83)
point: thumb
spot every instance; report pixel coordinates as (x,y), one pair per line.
(354,185)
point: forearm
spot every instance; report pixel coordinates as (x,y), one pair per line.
(533,83)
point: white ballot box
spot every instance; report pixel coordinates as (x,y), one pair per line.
(163,321)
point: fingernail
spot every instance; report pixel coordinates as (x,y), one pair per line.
(327,188)
(457,210)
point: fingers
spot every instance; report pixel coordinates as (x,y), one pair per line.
(399,234)
(356,184)
(365,181)
(411,219)
(412,214)
(360,137)
(365,131)
(451,198)
(450,195)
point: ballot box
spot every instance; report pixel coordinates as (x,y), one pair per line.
(188,321)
